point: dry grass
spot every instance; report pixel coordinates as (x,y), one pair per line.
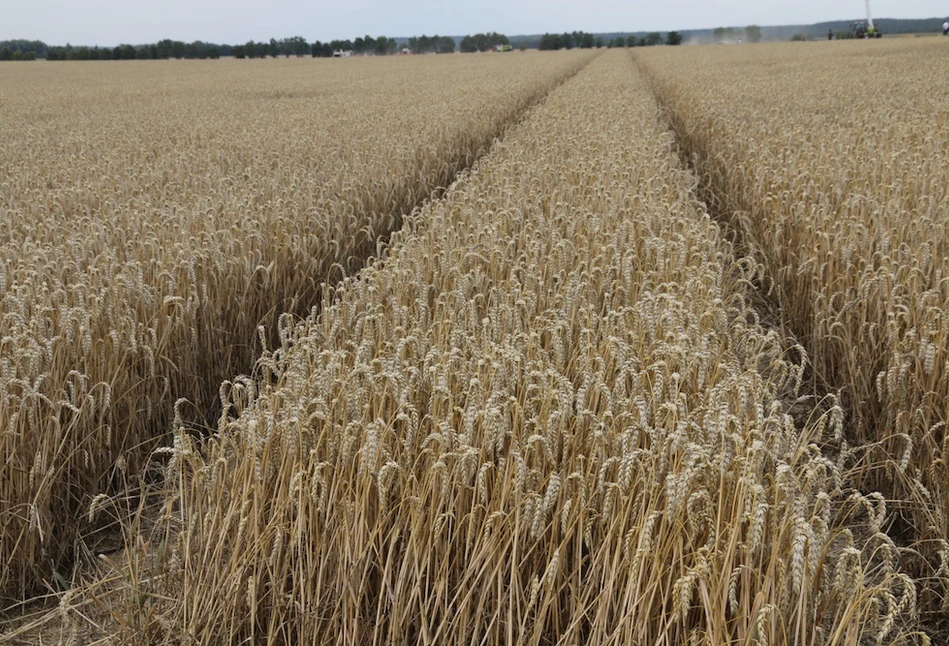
(152,216)
(550,416)
(834,160)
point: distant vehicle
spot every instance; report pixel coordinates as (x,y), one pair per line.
(505,48)
(342,53)
(866,29)
(863,29)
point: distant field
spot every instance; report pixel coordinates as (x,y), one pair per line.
(668,363)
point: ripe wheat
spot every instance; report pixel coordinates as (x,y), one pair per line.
(549,416)
(833,162)
(153,216)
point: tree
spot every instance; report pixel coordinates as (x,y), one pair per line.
(467,45)
(673,38)
(38,47)
(652,38)
(446,45)
(722,34)
(553,42)
(322,50)
(599,42)
(522,45)
(753,33)
(6,54)
(385,46)
(296,46)
(631,41)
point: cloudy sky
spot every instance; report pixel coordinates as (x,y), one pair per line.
(109,22)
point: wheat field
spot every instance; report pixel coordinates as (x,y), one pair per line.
(549,416)
(833,163)
(154,216)
(515,349)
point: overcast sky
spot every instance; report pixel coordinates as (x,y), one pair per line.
(110,22)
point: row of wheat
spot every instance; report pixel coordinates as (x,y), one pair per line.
(833,162)
(152,217)
(550,416)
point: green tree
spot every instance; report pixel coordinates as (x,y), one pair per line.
(631,40)
(599,42)
(446,45)
(722,34)
(297,46)
(652,38)
(673,38)
(753,33)
(385,46)
(6,54)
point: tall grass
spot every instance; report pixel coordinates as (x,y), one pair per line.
(833,161)
(153,217)
(549,416)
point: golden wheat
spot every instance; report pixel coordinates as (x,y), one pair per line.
(833,162)
(549,416)
(153,216)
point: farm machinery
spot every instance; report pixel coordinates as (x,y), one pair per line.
(866,29)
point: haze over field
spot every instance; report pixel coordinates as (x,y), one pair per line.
(110,22)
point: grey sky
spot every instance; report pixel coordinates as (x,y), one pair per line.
(109,22)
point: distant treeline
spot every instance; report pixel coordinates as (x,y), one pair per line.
(774,32)
(160,50)
(382,45)
(820,29)
(7,54)
(298,46)
(584,40)
(483,42)
(294,46)
(22,50)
